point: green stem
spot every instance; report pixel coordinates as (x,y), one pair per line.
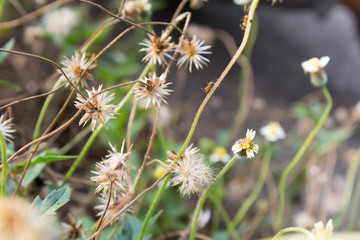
(202,106)
(4,164)
(43,111)
(2,3)
(292,229)
(257,190)
(349,185)
(220,208)
(206,193)
(354,209)
(299,154)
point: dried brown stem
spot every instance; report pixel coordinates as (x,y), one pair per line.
(106,208)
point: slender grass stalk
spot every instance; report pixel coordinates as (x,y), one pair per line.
(349,186)
(202,106)
(292,229)
(299,154)
(354,208)
(2,3)
(220,208)
(4,164)
(257,190)
(44,110)
(206,193)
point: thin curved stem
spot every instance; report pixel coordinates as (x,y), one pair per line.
(292,229)
(206,193)
(3,159)
(299,154)
(257,190)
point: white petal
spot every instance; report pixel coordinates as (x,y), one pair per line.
(324,61)
(308,67)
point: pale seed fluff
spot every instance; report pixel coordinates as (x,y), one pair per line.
(191,54)
(219,155)
(153,90)
(157,49)
(6,128)
(74,68)
(98,107)
(59,22)
(113,171)
(321,233)
(19,221)
(315,67)
(190,171)
(246,147)
(273,132)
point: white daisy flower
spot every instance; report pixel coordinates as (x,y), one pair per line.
(219,155)
(321,233)
(6,128)
(96,108)
(154,90)
(157,49)
(245,146)
(191,53)
(74,67)
(273,132)
(191,171)
(315,67)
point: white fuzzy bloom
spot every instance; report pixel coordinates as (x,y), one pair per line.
(157,49)
(74,67)
(154,90)
(315,67)
(321,233)
(273,132)
(191,171)
(59,22)
(191,54)
(6,128)
(219,155)
(98,108)
(245,146)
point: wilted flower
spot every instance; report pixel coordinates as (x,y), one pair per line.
(191,53)
(74,67)
(157,49)
(96,108)
(273,132)
(134,9)
(219,155)
(19,221)
(191,171)
(59,22)
(73,229)
(153,90)
(112,172)
(321,233)
(315,67)
(245,146)
(6,128)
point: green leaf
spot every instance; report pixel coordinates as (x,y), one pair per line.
(32,173)
(8,46)
(53,201)
(10,85)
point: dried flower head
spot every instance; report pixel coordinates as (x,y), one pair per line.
(321,233)
(246,147)
(191,171)
(19,221)
(59,22)
(191,53)
(135,9)
(113,171)
(273,132)
(154,90)
(219,155)
(96,108)
(74,67)
(157,49)
(73,229)
(6,128)
(315,67)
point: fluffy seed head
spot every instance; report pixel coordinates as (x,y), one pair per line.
(157,49)
(153,90)
(97,108)
(6,128)
(191,171)
(191,54)
(246,147)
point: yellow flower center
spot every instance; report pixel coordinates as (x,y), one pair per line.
(220,151)
(315,62)
(246,144)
